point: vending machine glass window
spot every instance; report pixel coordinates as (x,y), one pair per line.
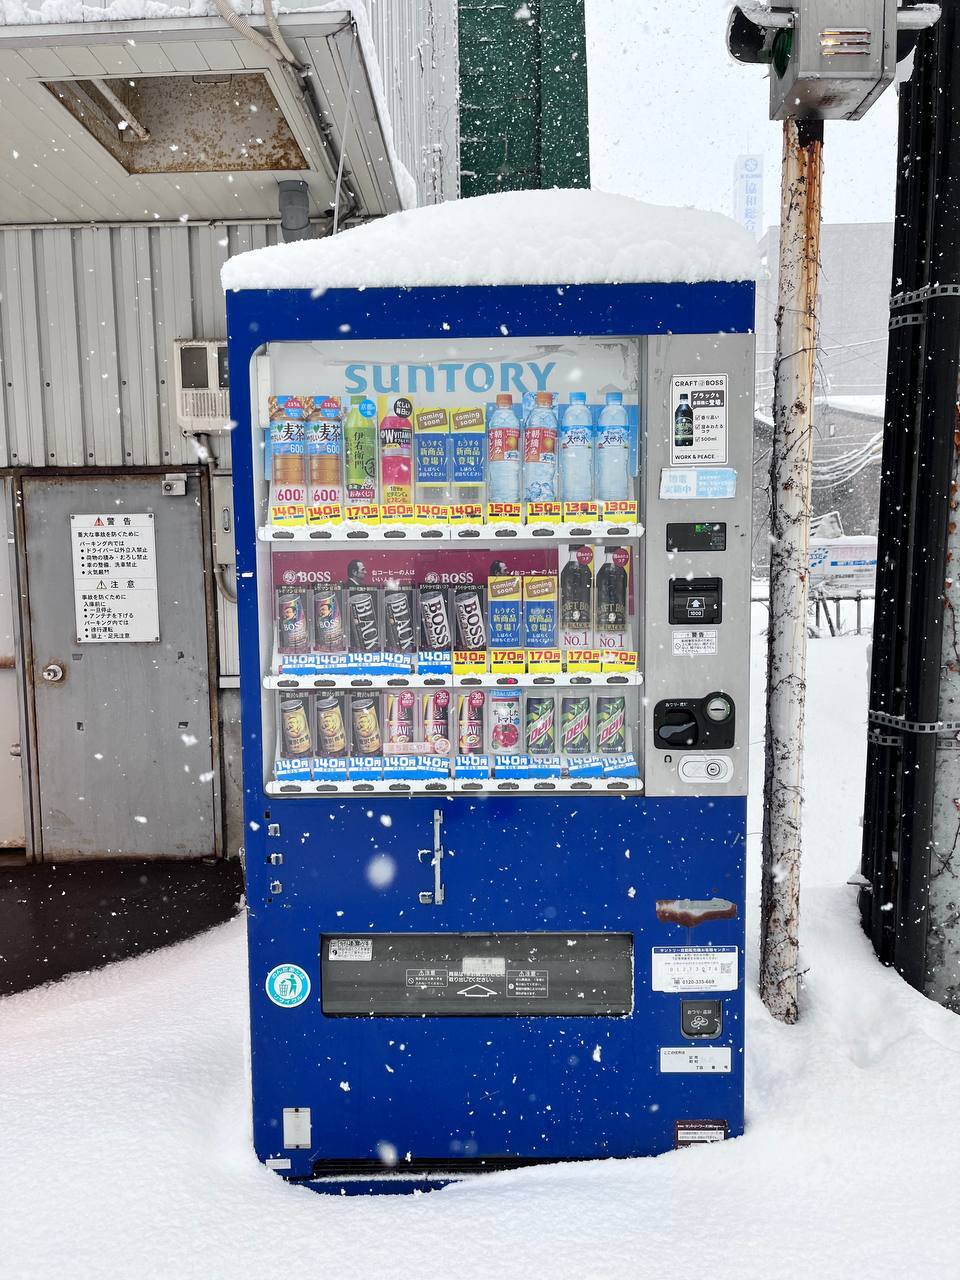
(452,602)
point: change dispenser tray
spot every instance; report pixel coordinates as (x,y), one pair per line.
(463,975)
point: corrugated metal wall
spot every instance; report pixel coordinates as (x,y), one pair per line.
(417,50)
(88,319)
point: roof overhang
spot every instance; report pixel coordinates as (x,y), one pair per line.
(54,170)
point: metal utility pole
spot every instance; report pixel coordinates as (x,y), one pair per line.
(910,902)
(790,511)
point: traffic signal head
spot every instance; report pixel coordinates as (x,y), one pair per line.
(829,59)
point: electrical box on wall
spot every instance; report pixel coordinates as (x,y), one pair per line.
(483,602)
(203,386)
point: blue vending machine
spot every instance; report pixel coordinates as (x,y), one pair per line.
(493,550)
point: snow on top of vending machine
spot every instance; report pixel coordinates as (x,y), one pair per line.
(512,237)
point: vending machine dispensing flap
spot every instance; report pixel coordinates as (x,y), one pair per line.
(459,975)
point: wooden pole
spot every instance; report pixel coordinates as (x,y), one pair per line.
(791,494)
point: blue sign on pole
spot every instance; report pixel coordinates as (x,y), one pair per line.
(748,193)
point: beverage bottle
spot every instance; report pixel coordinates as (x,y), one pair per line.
(576,589)
(323,445)
(612,599)
(683,424)
(360,449)
(540,451)
(503,452)
(576,450)
(613,450)
(396,453)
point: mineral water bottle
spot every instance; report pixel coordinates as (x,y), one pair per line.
(613,451)
(503,452)
(576,450)
(540,451)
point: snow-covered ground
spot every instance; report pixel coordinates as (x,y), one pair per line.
(125,1130)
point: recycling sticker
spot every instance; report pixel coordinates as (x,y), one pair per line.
(287,985)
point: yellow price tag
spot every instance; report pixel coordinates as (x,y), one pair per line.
(580,512)
(324,513)
(544,661)
(505,662)
(544,512)
(466,513)
(469,662)
(618,660)
(503,512)
(288,513)
(364,513)
(583,660)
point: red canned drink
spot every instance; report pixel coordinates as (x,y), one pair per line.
(470,721)
(400,720)
(436,720)
(505,720)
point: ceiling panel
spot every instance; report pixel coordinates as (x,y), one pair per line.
(64,174)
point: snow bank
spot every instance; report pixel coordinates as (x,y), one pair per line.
(514,237)
(126,1126)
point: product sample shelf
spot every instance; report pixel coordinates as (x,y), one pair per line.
(446,786)
(591,679)
(484,535)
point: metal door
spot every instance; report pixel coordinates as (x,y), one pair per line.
(564,1083)
(11,783)
(124,762)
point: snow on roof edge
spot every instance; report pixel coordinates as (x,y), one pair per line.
(518,237)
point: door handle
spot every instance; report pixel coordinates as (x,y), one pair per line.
(437,894)
(53,673)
